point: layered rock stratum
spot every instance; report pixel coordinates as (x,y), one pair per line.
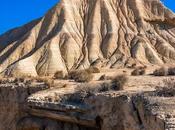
(76,34)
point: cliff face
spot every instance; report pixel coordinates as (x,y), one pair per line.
(76,34)
(13,102)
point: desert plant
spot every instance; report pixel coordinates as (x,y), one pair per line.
(86,91)
(59,75)
(133,65)
(119,82)
(19,79)
(80,95)
(105,87)
(93,70)
(138,71)
(171,71)
(161,72)
(46,80)
(168,89)
(103,77)
(72,74)
(49,82)
(81,75)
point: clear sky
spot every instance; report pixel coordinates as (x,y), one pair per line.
(14,13)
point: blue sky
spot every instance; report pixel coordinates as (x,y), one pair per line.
(14,13)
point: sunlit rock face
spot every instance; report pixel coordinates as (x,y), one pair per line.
(76,34)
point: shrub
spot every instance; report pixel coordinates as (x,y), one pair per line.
(49,82)
(119,82)
(59,75)
(105,87)
(103,77)
(168,90)
(46,80)
(171,71)
(19,80)
(138,71)
(81,75)
(161,72)
(86,91)
(80,95)
(133,65)
(94,70)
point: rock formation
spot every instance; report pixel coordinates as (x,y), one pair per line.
(76,34)
(32,106)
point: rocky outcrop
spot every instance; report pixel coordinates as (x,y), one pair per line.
(33,106)
(76,34)
(156,113)
(13,103)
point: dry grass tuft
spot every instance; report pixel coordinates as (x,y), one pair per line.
(86,91)
(161,72)
(81,75)
(171,71)
(59,75)
(46,80)
(138,71)
(168,90)
(119,82)
(93,70)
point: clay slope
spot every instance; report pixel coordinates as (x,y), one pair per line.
(76,34)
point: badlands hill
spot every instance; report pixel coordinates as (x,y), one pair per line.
(76,34)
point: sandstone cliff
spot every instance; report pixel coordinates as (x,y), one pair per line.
(76,34)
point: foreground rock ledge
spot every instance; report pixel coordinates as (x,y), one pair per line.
(77,34)
(113,110)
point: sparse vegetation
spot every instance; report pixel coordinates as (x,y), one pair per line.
(138,71)
(81,75)
(28,80)
(103,77)
(133,65)
(93,70)
(168,90)
(161,72)
(46,80)
(171,71)
(105,87)
(119,82)
(80,95)
(86,91)
(59,75)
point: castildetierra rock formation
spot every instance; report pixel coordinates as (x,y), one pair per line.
(76,34)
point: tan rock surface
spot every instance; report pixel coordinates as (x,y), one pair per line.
(76,33)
